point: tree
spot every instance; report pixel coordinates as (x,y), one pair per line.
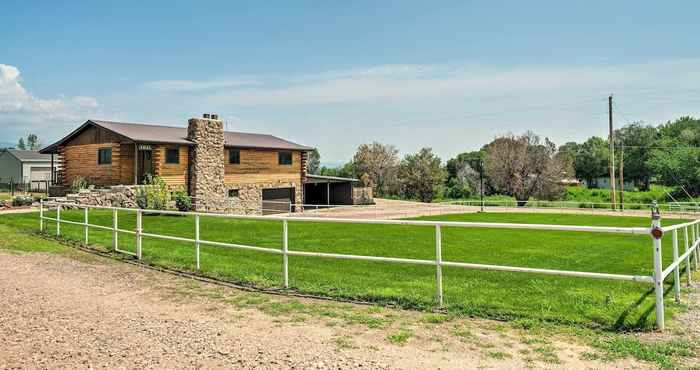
(637,138)
(570,150)
(33,142)
(376,166)
(592,159)
(421,175)
(677,167)
(523,166)
(345,170)
(463,174)
(314,162)
(686,130)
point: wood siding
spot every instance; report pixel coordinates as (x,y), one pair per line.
(81,160)
(260,166)
(175,175)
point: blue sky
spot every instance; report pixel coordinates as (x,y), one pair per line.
(446,75)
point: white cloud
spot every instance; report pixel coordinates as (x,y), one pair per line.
(193,85)
(21,112)
(415,82)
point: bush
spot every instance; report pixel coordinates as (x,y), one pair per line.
(79,183)
(153,194)
(183,202)
(22,200)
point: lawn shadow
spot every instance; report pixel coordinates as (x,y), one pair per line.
(641,323)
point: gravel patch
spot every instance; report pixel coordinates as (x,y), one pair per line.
(87,311)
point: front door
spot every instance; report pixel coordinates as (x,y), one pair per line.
(145,164)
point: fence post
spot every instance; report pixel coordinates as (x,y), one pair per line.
(115,227)
(687,258)
(658,269)
(58,220)
(139,224)
(438,264)
(87,237)
(41,215)
(693,240)
(196,240)
(696,249)
(676,271)
(285,250)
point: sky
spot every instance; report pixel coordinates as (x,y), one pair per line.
(450,75)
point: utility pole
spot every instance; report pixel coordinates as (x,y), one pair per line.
(622,177)
(481,180)
(612,151)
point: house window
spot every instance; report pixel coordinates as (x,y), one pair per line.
(172,156)
(285,158)
(234,156)
(233,193)
(104,156)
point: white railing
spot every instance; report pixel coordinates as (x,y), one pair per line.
(691,232)
(682,207)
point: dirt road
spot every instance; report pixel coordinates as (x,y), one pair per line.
(86,311)
(395,209)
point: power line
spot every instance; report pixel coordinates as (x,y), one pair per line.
(659,147)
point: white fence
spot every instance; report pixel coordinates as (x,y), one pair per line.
(690,255)
(681,207)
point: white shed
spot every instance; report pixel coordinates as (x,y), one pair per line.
(25,166)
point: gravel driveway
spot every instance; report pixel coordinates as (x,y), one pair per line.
(86,311)
(387,209)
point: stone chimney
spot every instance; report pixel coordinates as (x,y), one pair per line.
(206,164)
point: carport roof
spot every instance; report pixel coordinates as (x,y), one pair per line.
(324,179)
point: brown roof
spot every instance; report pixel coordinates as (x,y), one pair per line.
(148,133)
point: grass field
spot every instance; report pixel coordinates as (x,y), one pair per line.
(573,301)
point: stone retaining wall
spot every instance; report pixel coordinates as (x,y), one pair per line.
(116,196)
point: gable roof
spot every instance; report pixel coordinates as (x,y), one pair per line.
(148,133)
(28,155)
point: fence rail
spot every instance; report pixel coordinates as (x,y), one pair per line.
(683,207)
(689,257)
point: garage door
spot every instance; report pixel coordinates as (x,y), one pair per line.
(277,200)
(40,174)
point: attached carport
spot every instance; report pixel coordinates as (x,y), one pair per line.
(328,190)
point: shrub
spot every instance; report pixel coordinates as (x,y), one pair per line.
(79,183)
(22,200)
(183,202)
(154,194)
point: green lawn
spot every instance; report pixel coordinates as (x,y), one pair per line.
(589,302)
